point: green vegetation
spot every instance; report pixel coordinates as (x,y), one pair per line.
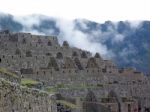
(6,72)
(28,82)
(51,89)
(66,103)
(72,87)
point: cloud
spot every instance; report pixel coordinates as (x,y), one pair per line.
(78,39)
(135,24)
(68,32)
(90,40)
(28,22)
(118,38)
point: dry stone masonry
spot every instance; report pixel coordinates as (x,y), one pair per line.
(86,83)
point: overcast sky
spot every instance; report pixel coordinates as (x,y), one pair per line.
(96,10)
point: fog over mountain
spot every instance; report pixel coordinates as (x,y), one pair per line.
(125,42)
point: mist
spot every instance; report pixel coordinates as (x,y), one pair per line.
(78,32)
(67,32)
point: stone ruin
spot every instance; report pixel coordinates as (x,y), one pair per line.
(92,83)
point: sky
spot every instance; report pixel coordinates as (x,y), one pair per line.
(95,10)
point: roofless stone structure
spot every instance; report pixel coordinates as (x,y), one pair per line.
(73,79)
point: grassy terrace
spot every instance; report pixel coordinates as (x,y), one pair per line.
(69,104)
(6,72)
(72,87)
(28,82)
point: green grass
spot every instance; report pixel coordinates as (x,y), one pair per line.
(51,89)
(66,103)
(5,71)
(28,82)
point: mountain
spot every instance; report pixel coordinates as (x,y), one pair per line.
(127,43)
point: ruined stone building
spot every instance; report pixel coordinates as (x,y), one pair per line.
(72,80)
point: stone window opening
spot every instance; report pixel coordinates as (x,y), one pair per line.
(65,44)
(93,71)
(29,106)
(75,71)
(3,56)
(74,54)
(104,70)
(28,54)
(24,41)
(129,108)
(109,107)
(59,55)
(69,71)
(49,43)
(18,52)
(44,72)
(97,55)
(48,54)
(83,54)
(12,57)
(0,60)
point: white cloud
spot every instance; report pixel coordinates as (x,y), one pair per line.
(118,38)
(92,41)
(75,37)
(83,23)
(135,24)
(79,39)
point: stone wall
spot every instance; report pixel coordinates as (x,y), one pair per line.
(43,59)
(14,98)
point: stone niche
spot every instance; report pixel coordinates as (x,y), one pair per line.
(28,54)
(97,55)
(49,43)
(65,44)
(59,55)
(83,54)
(26,71)
(18,52)
(24,41)
(74,54)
